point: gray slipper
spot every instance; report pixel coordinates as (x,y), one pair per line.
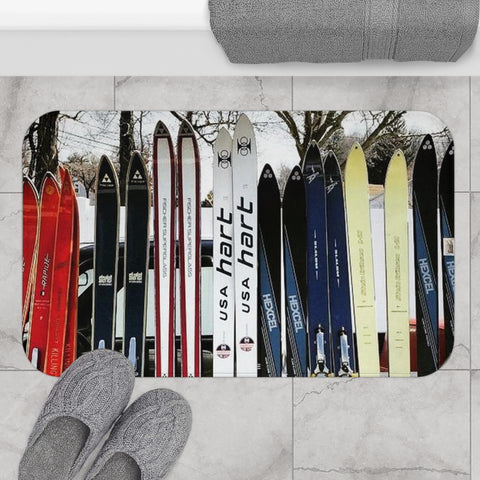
(147,439)
(79,411)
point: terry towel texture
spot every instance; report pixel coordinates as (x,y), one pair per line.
(320,31)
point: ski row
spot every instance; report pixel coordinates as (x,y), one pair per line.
(50,272)
(312,246)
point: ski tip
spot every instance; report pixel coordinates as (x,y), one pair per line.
(427,144)
(296,174)
(425,161)
(29,186)
(137,172)
(243,124)
(397,166)
(268,175)
(186,129)
(161,130)
(356,154)
(223,136)
(313,158)
(331,165)
(49,185)
(450,153)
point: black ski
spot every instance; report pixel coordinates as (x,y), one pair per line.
(269,275)
(294,246)
(107,203)
(447,228)
(426,256)
(137,210)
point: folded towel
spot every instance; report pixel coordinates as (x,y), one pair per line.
(272,31)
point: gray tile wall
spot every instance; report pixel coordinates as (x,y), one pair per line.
(274,429)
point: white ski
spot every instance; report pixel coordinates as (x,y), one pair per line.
(244,161)
(189,246)
(164,172)
(223,258)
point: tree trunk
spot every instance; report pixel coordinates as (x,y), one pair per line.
(45,153)
(127,146)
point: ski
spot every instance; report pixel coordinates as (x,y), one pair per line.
(164,194)
(426,250)
(294,245)
(70,352)
(223,257)
(189,243)
(396,261)
(107,215)
(270,275)
(447,227)
(320,362)
(245,217)
(357,202)
(30,239)
(62,264)
(137,246)
(38,328)
(338,272)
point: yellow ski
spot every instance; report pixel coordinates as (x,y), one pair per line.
(361,262)
(396,261)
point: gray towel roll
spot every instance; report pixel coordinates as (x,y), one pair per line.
(320,31)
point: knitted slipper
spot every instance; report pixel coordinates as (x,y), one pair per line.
(147,439)
(79,411)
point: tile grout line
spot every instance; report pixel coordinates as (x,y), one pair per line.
(470,263)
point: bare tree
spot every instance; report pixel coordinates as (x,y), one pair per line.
(127,146)
(83,168)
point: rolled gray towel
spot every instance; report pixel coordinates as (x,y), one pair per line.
(147,439)
(81,408)
(320,31)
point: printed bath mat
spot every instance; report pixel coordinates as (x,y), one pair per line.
(222,243)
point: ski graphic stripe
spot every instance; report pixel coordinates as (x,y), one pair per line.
(137,246)
(244,161)
(294,229)
(338,272)
(70,353)
(38,330)
(164,174)
(189,242)
(105,260)
(396,257)
(223,257)
(361,262)
(57,321)
(425,205)
(447,217)
(269,276)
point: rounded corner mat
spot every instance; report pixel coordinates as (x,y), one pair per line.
(240,244)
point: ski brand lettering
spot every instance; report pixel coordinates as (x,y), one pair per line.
(245,295)
(105,280)
(46,268)
(137,176)
(226,245)
(450,269)
(189,238)
(246,236)
(270,314)
(310,178)
(135,277)
(331,185)
(295,312)
(164,238)
(426,275)
(223,303)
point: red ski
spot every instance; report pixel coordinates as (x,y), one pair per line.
(189,244)
(38,328)
(61,279)
(70,353)
(164,194)
(30,237)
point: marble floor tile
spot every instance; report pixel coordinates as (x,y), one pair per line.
(241,428)
(12,355)
(475,278)
(460,357)
(24,99)
(377,428)
(475,143)
(209,93)
(445,97)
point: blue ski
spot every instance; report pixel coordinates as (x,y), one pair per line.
(320,362)
(338,272)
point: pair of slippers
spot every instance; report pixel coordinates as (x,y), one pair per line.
(90,395)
